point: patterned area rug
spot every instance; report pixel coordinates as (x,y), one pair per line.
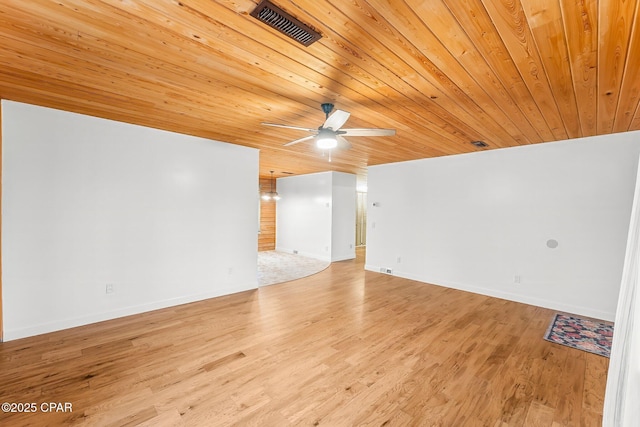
(584,334)
(277,267)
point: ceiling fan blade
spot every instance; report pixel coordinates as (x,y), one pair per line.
(368,132)
(336,120)
(343,143)
(306,138)
(289,127)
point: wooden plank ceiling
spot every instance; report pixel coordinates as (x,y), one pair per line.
(442,73)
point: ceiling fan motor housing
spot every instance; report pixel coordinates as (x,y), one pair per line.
(327,108)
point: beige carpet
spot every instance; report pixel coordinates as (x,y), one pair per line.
(277,267)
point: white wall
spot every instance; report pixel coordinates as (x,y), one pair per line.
(303,215)
(165,218)
(316,215)
(343,218)
(476,221)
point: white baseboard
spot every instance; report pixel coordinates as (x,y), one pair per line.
(343,257)
(510,296)
(320,257)
(43,328)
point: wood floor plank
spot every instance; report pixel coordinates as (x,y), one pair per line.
(571,384)
(595,379)
(343,347)
(539,415)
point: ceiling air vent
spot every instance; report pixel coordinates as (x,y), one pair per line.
(277,18)
(480,144)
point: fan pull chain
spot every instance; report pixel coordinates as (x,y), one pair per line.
(329,151)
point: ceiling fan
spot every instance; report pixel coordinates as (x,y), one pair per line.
(330,134)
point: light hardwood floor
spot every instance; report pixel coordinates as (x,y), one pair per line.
(342,348)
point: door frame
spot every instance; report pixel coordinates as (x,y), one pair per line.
(1,315)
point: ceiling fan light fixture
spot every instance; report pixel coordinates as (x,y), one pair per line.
(327,143)
(326,140)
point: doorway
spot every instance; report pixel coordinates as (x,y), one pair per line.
(361,219)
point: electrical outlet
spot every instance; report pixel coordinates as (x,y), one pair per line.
(108,289)
(517,279)
(399,260)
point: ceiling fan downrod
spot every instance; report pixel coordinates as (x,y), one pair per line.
(327,108)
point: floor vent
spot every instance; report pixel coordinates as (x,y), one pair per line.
(277,18)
